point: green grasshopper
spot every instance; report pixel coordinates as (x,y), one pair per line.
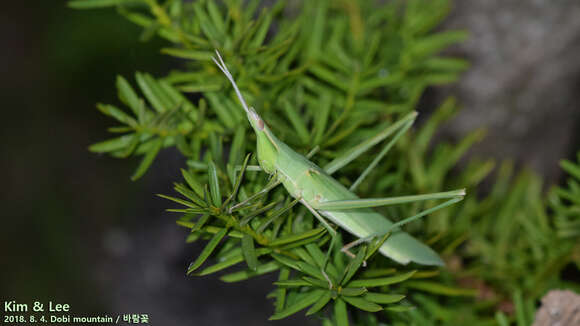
(326,198)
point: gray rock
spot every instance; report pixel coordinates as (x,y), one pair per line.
(559,308)
(524,82)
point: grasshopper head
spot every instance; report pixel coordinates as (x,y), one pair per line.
(266,142)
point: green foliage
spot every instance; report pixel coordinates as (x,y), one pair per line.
(326,75)
(565,202)
(503,244)
(331,99)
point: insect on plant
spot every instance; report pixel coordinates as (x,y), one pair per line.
(326,198)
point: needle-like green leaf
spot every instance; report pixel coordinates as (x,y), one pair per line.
(231,261)
(200,223)
(192,182)
(352,292)
(188,54)
(438,288)
(375,282)
(287,261)
(292,283)
(148,159)
(190,194)
(383,298)
(296,121)
(340,312)
(354,265)
(320,303)
(282,291)
(179,201)
(112,144)
(246,274)
(305,301)
(148,87)
(400,308)
(128,95)
(249,252)
(207,251)
(296,237)
(214,184)
(362,304)
(501,319)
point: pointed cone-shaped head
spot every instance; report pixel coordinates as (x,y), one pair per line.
(266,142)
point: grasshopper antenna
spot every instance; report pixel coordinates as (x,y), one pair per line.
(221,64)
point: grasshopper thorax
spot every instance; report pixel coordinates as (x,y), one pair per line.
(267,150)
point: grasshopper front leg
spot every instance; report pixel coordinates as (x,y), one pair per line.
(333,237)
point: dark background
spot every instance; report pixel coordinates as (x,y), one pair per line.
(75,229)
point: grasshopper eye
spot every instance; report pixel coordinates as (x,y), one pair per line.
(260,124)
(257,118)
